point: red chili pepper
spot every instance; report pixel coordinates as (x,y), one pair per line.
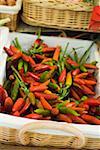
(48,49)
(33,116)
(56,54)
(8,51)
(92,102)
(86,90)
(3,94)
(42,68)
(17,114)
(55,111)
(25,57)
(14,49)
(62,76)
(45,104)
(76,72)
(8,104)
(90,66)
(16,56)
(38,56)
(82,75)
(31,61)
(74,94)
(46,96)
(89,82)
(37,42)
(91,119)
(71,62)
(77,119)
(35,77)
(65,118)
(39,88)
(26,106)
(79,81)
(18,105)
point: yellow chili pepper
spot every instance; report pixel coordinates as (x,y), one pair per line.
(69,79)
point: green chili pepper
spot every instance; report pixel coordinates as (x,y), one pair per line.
(84,98)
(86,55)
(14,91)
(43,75)
(25,66)
(83,69)
(66,110)
(53,85)
(98,117)
(42,111)
(32,98)
(20,64)
(62,104)
(94,62)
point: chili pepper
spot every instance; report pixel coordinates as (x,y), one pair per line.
(42,68)
(47,92)
(83,98)
(78,109)
(83,69)
(76,72)
(69,79)
(70,104)
(86,90)
(32,98)
(14,49)
(76,119)
(8,51)
(39,104)
(22,94)
(33,116)
(46,75)
(3,94)
(53,85)
(65,118)
(71,62)
(25,57)
(91,119)
(90,66)
(94,63)
(82,75)
(26,106)
(46,59)
(86,54)
(39,88)
(42,111)
(16,113)
(76,59)
(56,54)
(89,82)
(46,83)
(79,81)
(31,61)
(46,96)
(37,42)
(48,49)
(20,64)
(74,94)
(62,76)
(45,104)
(66,110)
(8,104)
(18,104)
(35,77)
(14,91)
(92,102)
(38,56)
(25,67)
(55,111)
(35,83)
(14,57)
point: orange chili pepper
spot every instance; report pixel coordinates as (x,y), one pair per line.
(45,104)
(18,105)
(56,54)
(65,118)
(90,66)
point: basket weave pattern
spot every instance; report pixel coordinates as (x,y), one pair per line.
(56,14)
(10,136)
(13,23)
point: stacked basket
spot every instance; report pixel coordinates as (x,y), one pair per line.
(12,13)
(57,13)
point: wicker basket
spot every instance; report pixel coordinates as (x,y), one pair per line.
(12,13)
(57,13)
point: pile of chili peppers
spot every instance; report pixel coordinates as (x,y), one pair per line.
(47,83)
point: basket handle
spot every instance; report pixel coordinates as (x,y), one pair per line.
(79,143)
